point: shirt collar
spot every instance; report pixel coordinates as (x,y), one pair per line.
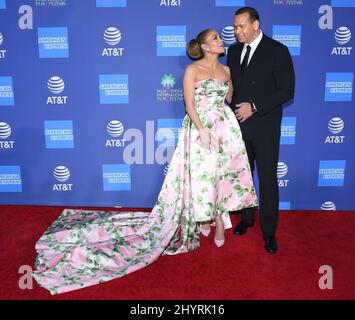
(255,42)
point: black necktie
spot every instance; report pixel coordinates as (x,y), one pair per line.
(244,65)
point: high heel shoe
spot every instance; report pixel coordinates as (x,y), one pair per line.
(205,232)
(219,243)
(219,223)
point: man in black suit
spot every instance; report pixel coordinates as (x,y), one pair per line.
(263,79)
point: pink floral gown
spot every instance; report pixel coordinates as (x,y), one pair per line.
(83,248)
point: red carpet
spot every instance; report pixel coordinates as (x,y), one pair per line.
(241,269)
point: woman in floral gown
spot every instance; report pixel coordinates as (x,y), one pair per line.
(208,176)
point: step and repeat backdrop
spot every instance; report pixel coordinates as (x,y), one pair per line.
(91,97)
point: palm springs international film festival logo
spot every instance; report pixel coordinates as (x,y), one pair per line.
(228,37)
(115,129)
(5,133)
(328,206)
(112,37)
(282,171)
(51,3)
(62,174)
(2,51)
(335,126)
(168,93)
(56,86)
(342,36)
(288,2)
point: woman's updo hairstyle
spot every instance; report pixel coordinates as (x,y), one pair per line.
(194,49)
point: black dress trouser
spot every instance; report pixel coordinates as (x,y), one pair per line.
(264,150)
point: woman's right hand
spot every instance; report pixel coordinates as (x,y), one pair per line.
(205,137)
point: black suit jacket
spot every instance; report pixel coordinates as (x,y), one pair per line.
(269,82)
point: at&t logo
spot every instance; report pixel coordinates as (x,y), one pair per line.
(228,37)
(335,126)
(115,129)
(166,169)
(170,3)
(282,171)
(112,37)
(342,36)
(56,86)
(328,206)
(5,133)
(2,51)
(62,174)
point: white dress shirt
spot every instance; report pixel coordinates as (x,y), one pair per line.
(253,46)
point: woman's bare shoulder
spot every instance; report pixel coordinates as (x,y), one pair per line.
(192,69)
(226,68)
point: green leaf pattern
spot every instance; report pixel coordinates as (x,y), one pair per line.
(84,247)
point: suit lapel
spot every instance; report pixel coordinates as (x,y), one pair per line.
(239,53)
(236,59)
(256,55)
(235,66)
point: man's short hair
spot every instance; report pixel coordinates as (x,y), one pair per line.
(253,14)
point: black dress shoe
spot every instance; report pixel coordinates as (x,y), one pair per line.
(242,227)
(270,244)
